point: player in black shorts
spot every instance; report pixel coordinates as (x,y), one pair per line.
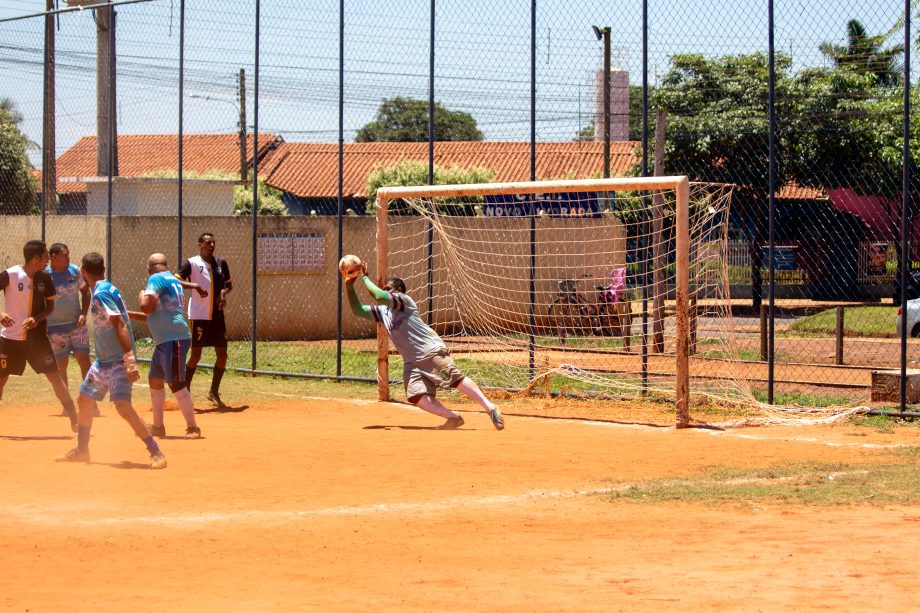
(206,315)
(28,300)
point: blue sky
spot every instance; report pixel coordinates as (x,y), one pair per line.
(482,58)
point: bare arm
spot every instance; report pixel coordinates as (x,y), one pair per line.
(86,299)
(148,302)
(137,315)
(188,285)
(30,323)
(124,339)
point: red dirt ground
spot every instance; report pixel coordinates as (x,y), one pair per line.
(337,505)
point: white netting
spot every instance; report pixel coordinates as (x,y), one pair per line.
(565,292)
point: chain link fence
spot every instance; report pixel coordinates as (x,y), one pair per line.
(323,102)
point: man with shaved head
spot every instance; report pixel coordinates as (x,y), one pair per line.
(161,307)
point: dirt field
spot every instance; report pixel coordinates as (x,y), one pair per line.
(338,505)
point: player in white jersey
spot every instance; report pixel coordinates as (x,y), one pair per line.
(28,301)
(427,364)
(206,311)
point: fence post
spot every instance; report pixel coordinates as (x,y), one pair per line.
(693,323)
(839,335)
(763,332)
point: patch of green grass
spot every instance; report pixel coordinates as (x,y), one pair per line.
(810,483)
(805,400)
(863,321)
(883,423)
(297,358)
(745,355)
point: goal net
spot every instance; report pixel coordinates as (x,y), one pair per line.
(613,288)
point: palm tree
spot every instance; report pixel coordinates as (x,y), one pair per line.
(865,55)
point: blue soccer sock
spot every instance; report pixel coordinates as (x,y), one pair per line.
(83,438)
(152,446)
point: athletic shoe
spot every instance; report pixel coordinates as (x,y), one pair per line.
(497,420)
(452,423)
(157,431)
(192,432)
(74,455)
(157,460)
(215,398)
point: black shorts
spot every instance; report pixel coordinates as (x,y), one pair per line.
(209,332)
(36,350)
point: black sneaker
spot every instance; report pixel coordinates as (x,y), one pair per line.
(191,432)
(157,431)
(215,398)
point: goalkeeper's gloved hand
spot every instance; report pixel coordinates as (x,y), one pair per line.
(131,366)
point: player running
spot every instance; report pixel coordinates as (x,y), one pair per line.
(206,311)
(28,301)
(115,368)
(67,323)
(161,307)
(427,361)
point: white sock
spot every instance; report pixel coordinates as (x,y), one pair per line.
(469,389)
(184,398)
(434,406)
(158,399)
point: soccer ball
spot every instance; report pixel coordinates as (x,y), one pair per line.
(350,266)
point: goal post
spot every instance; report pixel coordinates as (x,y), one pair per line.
(582,229)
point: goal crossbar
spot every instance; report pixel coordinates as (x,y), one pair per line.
(680,185)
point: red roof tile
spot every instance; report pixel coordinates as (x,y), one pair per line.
(141,154)
(311,169)
(794,191)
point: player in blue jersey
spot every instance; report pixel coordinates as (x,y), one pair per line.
(427,364)
(161,307)
(115,368)
(67,329)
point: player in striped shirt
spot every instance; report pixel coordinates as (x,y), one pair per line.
(115,368)
(426,359)
(161,307)
(28,301)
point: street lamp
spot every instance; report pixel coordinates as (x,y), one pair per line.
(604,34)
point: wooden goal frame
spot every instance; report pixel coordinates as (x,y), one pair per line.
(679,184)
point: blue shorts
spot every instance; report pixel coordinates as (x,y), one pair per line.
(68,338)
(108,377)
(168,361)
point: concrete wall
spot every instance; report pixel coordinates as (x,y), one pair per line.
(305,305)
(149,196)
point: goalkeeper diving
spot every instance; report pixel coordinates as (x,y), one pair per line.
(427,361)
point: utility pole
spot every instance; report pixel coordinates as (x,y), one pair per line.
(49,167)
(242,100)
(105,102)
(604,33)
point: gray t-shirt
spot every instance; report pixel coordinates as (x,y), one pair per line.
(412,337)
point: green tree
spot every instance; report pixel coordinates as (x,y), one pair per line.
(718,130)
(406,120)
(864,54)
(18,188)
(409,172)
(270,202)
